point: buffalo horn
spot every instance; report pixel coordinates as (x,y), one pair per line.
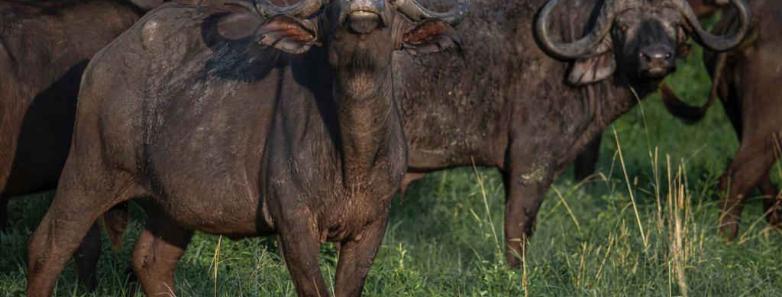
(714,42)
(586,46)
(416,12)
(301,9)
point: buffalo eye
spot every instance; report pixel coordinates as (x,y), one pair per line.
(623,27)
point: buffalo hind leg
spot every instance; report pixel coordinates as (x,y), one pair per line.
(159,248)
(87,257)
(80,199)
(751,164)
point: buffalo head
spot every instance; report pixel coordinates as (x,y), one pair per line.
(640,38)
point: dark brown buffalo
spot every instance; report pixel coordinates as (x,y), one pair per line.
(232,123)
(508,105)
(746,81)
(44,47)
(586,162)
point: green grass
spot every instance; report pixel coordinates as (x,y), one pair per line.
(445,237)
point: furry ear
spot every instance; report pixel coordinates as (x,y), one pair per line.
(430,36)
(592,70)
(147,4)
(683,48)
(288,34)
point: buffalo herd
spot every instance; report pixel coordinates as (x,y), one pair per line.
(303,119)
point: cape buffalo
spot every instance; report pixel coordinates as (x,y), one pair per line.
(44,47)
(244,121)
(508,105)
(745,80)
(586,162)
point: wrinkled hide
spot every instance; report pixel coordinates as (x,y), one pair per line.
(237,124)
(505,103)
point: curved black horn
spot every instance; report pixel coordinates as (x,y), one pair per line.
(301,9)
(714,42)
(416,12)
(584,47)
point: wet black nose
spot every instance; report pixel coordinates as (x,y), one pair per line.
(656,60)
(657,54)
(364,15)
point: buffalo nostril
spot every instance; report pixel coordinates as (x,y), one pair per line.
(655,56)
(658,56)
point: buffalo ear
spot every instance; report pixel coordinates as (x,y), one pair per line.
(683,48)
(592,70)
(288,34)
(147,4)
(430,36)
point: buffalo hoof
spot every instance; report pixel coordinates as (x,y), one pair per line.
(774,219)
(513,259)
(774,214)
(514,263)
(729,230)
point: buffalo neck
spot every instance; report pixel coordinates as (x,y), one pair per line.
(366,119)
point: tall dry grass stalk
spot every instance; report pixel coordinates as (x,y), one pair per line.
(672,215)
(484,195)
(678,214)
(630,191)
(215,265)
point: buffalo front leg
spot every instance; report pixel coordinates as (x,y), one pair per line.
(586,162)
(523,196)
(87,257)
(3,212)
(355,259)
(301,249)
(155,256)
